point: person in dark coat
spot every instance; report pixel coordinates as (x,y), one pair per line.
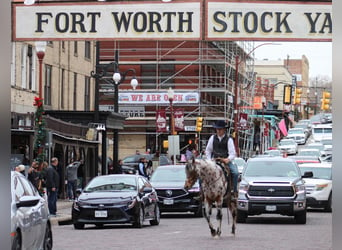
(52,185)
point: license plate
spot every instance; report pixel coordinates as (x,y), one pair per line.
(168,201)
(271,208)
(102,213)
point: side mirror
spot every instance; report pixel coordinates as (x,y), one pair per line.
(308,174)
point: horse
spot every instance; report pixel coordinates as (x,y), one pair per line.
(214,188)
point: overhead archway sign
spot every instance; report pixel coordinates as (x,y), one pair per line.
(190,20)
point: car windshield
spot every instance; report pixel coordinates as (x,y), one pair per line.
(295,131)
(287,142)
(313,152)
(111,183)
(271,169)
(168,174)
(318,173)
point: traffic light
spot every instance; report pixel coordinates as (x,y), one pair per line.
(325,100)
(199,124)
(298,93)
(287,94)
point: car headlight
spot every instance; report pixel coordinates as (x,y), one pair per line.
(300,191)
(131,203)
(194,190)
(243,187)
(320,187)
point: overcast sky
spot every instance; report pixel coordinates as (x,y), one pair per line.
(319,54)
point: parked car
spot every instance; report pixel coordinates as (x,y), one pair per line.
(319,187)
(116,199)
(297,134)
(300,159)
(289,146)
(30,223)
(273,152)
(132,161)
(240,163)
(309,152)
(172,196)
(317,145)
(272,185)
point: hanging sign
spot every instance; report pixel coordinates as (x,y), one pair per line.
(161,121)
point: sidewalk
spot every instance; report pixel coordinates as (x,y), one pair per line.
(63,212)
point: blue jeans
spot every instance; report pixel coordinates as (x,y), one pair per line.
(72,185)
(235,174)
(52,201)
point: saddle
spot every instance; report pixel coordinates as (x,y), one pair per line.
(226,172)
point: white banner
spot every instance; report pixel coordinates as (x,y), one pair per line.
(259,21)
(131,97)
(268,21)
(120,21)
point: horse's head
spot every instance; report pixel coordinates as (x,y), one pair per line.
(191,174)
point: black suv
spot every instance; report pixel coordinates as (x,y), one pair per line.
(272,185)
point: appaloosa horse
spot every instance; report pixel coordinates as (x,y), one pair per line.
(214,186)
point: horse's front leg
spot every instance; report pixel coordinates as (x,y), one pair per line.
(219,218)
(207,213)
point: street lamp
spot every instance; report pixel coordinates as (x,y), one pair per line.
(118,78)
(170,94)
(236,91)
(40,50)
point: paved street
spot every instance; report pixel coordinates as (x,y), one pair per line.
(185,232)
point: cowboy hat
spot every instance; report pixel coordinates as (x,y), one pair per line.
(220,124)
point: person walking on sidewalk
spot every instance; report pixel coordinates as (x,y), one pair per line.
(52,185)
(71,177)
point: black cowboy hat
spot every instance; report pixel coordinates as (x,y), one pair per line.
(220,124)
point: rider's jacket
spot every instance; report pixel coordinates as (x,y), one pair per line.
(220,148)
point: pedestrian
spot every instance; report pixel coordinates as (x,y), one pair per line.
(71,178)
(52,185)
(20,168)
(188,153)
(42,179)
(33,174)
(256,141)
(142,167)
(220,145)
(118,168)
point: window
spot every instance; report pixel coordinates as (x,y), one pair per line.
(87,94)
(87,49)
(30,66)
(75,92)
(62,88)
(47,85)
(75,48)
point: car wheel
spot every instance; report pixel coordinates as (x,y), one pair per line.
(327,207)
(78,225)
(156,219)
(300,217)
(140,219)
(241,216)
(17,242)
(48,242)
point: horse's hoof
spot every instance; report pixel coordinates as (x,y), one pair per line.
(213,233)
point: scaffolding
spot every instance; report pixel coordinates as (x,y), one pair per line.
(207,68)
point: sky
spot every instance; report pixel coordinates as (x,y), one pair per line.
(319,55)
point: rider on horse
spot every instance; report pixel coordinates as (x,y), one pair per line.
(222,146)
